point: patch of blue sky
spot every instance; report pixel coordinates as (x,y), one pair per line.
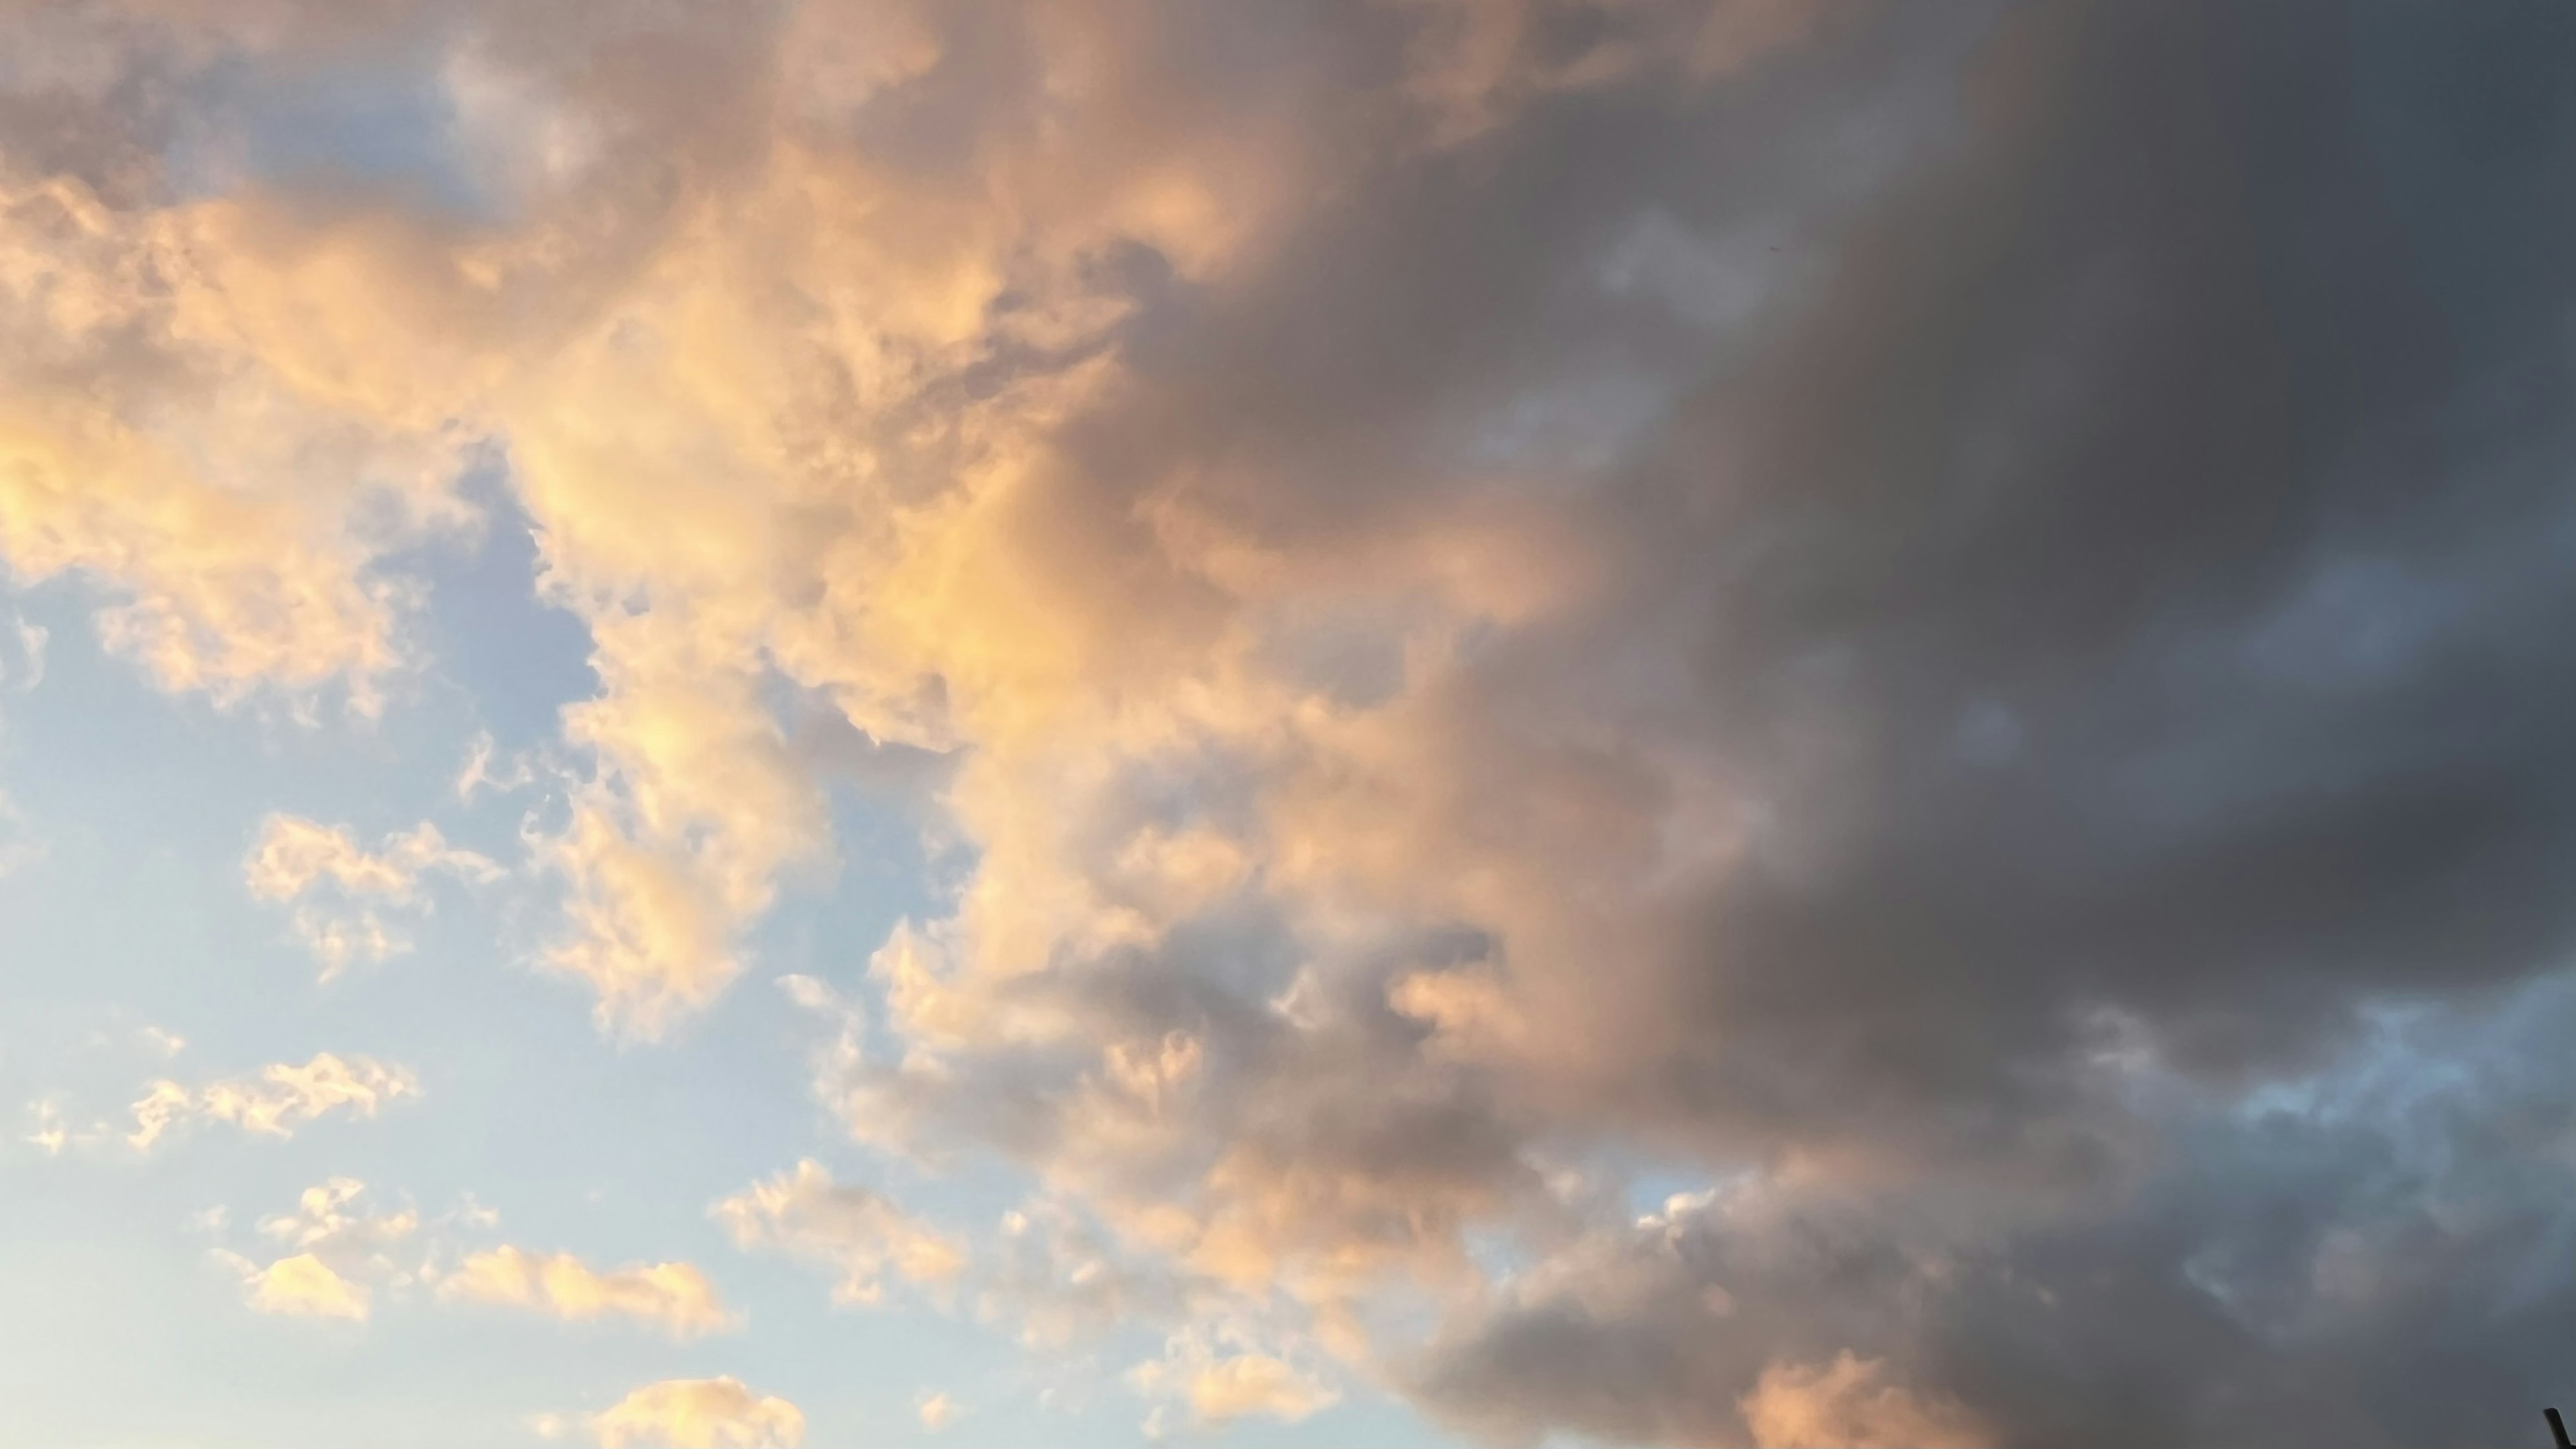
(376,120)
(487,633)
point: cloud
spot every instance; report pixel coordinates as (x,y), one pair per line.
(849,1229)
(46,1132)
(1062,1283)
(292,854)
(202,485)
(1911,612)
(478,774)
(1216,1377)
(935,1410)
(676,1297)
(718,1413)
(282,1098)
(341,1252)
(304,1286)
(1846,1405)
(294,858)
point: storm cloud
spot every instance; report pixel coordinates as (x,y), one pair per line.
(1695,724)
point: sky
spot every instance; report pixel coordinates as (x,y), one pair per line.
(1363,724)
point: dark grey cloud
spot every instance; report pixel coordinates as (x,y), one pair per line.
(2095,477)
(2380,1258)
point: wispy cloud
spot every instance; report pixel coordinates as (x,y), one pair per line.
(275,1103)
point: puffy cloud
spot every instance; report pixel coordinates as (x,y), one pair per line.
(850,1229)
(1782,592)
(675,1297)
(322,1221)
(1060,1282)
(340,1252)
(282,1098)
(936,1410)
(306,1287)
(1215,1376)
(1847,1405)
(1253,1383)
(718,1413)
(151,444)
(292,854)
(294,857)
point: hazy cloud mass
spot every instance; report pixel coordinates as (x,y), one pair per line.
(1336,722)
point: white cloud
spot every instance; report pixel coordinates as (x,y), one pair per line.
(1344,817)
(47,1134)
(1219,1374)
(280,1099)
(479,775)
(340,1253)
(717,1413)
(1850,1404)
(304,1286)
(854,1231)
(294,858)
(676,1297)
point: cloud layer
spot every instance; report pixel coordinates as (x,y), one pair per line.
(1944,623)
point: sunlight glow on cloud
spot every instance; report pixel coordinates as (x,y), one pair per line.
(294,856)
(304,1286)
(282,1098)
(717,1413)
(675,1297)
(1846,1405)
(340,1251)
(852,1230)
(1214,1386)
(1329,648)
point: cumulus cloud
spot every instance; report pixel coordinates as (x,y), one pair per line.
(2232,1282)
(1214,1381)
(717,1413)
(202,482)
(1903,610)
(304,1286)
(292,854)
(294,858)
(675,1297)
(280,1099)
(340,1252)
(852,1230)
(1846,1405)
